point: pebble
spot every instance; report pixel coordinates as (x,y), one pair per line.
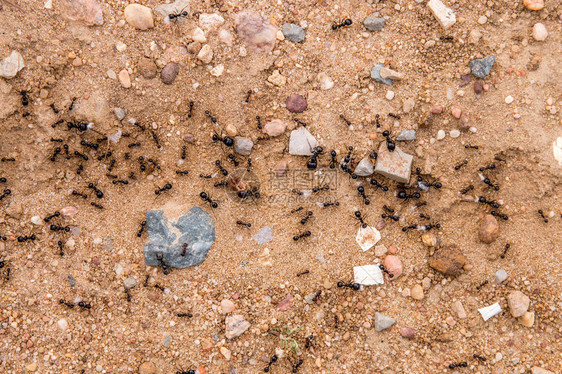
(482,20)
(277,79)
(293,32)
(120,46)
(454,133)
(458,309)
(62,324)
(205,54)
(383,322)
(518,303)
(393,265)
(285,304)
(533,5)
(139,16)
(198,35)
(478,88)
(236,325)
(119,113)
(88,12)
(395,165)
(189,138)
(147,368)
(11,65)
(389,95)
(429,239)
(281,168)
(408,105)
(500,276)
(481,67)
(387,73)
(448,260)
(226,353)
(380,250)
(31,367)
(302,142)
(406,135)
(130,282)
(231,130)
(48,4)
(36,220)
(456,112)
(490,311)
(489,229)
(264,235)
(147,68)
(226,37)
(436,109)
(210,21)
(296,103)
(217,70)
(166,238)
(243,145)
(474,36)
(125,79)
(275,127)
(373,23)
(227,306)
(509,99)
(68,211)
(407,332)
(367,237)
(169,73)
(441,134)
(71,280)
(325,81)
(111,74)
(164,10)
(417,292)
(445,16)
(364,168)
(376,75)
(527,319)
(256,32)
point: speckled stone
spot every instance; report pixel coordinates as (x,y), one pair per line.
(376,75)
(482,67)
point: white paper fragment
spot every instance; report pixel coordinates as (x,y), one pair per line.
(368,275)
(490,311)
(367,237)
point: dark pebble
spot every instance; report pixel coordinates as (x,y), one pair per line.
(478,89)
(169,73)
(465,79)
(481,67)
(296,103)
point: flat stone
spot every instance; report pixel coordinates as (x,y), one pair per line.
(243,146)
(86,11)
(368,275)
(376,75)
(367,237)
(293,32)
(383,322)
(210,21)
(119,113)
(458,309)
(264,235)
(256,32)
(373,23)
(236,325)
(445,16)
(500,276)
(396,165)
(325,81)
(448,260)
(364,168)
(301,142)
(296,103)
(277,79)
(387,73)
(482,67)
(167,341)
(11,65)
(139,16)
(518,303)
(406,135)
(196,228)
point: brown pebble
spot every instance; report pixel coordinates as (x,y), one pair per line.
(436,109)
(393,249)
(465,79)
(407,332)
(489,229)
(296,103)
(449,260)
(189,138)
(478,88)
(69,211)
(147,368)
(96,261)
(393,265)
(169,73)
(380,225)
(147,68)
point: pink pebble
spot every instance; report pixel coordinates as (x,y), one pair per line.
(275,127)
(393,265)
(285,304)
(393,249)
(68,211)
(281,168)
(407,332)
(486,87)
(227,306)
(456,112)
(96,261)
(436,109)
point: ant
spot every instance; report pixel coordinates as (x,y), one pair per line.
(271,361)
(360,218)
(341,24)
(165,268)
(308,340)
(316,296)
(7,192)
(479,357)
(61,251)
(502,216)
(481,285)
(60,228)
(127,292)
(208,176)
(303,235)
(135,123)
(155,138)
(142,228)
(331,204)
(385,270)
(361,191)
(306,218)
(131,145)
(221,184)
(297,210)
(299,122)
(24,98)
(47,219)
(99,206)
(99,194)
(394,218)
(540,213)
(55,110)
(489,183)
(182,172)
(296,367)
(227,140)
(184,249)
(505,250)
(375,183)
(145,284)
(191,104)
(312,164)
(461,164)
(3,180)
(81,155)
(72,104)
(482,200)
(468,146)
(335,321)
(426,185)
(394,115)
(465,190)
(222,170)
(181,13)
(446,38)
(243,224)
(318,189)
(354,286)
(188,315)
(303,273)
(206,197)
(166,187)
(159,287)
(489,167)
(84,305)
(349,124)
(109,154)
(68,304)
(405,196)
(76,193)
(258,118)
(458,365)
(121,181)
(11,159)
(248,94)
(89,145)
(22,239)
(390,145)
(377,120)
(249,193)
(333,161)
(232,159)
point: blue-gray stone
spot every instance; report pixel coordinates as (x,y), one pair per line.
(264,235)
(373,23)
(167,239)
(481,67)
(407,135)
(293,32)
(71,280)
(376,75)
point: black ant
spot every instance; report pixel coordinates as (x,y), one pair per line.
(155,138)
(206,176)
(312,164)
(296,367)
(377,120)
(57,123)
(303,273)
(221,184)
(206,197)
(299,122)
(341,24)
(227,140)
(243,224)
(405,196)
(84,305)
(390,145)
(497,214)
(182,172)
(465,190)
(222,170)
(244,194)
(99,194)
(335,321)
(165,268)
(3,180)
(354,286)
(24,99)
(141,162)
(258,118)
(109,154)
(461,164)
(47,219)
(306,218)
(482,200)
(459,365)
(81,155)
(361,191)
(333,161)
(421,227)
(345,120)
(542,215)
(188,315)
(232,159)
(318,189)
(489,167)
(159,287)
(61,250)
(446,38)
(249,164)
(481,285)
(394,218)
(327,204)
(166,187)
(271,361)
(423,185)
(181,13)
(72,104)
(191,104)
(385,270)
(316,296)
(80,169)
(8,159)
(308,342)
(360,218)
(89,145)
(76,193)
(54,109)
(22,239)
(7,192)
(394,115)
(303,235)
(127,292)
(145,284)
(481,358)
(375,183)
(135,123)
(137,144)
(184,249)
(59,228)
(68,304)
(99,206)
(56,140)
(468,146)
(505,250)
(248,94)
(489,183)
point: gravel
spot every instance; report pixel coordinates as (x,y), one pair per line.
(293,32)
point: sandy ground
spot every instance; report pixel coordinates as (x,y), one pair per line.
(68,59)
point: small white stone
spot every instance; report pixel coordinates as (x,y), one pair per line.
(325,81)
(198,35)
(62,324)
(368,275)
(389,95)
(111,74)
(445,16)
(205,54)
(48,4)
(36,220)
(217,70)
(441,134)
(120,46)
(539,32)
(490,311)
(455,133)
(482,20)
(509,99)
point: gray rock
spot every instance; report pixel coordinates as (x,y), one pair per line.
(169,73)
(500,276)
(236,325)
(166,239)
(301,142)
(293,32)
(376,75)
(364,168)
(243,145)
(71,280)
(264,235)
(11,65)
(167,341)
(119,113)
(130,282)
(383,322)
(481,67)
(407,135)
(373,23)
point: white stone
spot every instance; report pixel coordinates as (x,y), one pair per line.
(368,275)
(120,46)
(198,35)
(455,133)
(482,20)
(441,134)
(490,311)
(36,220)
(389,95)
(557,150)
(139,16)
(445,16)
(217,70)
(226,37)
(367,237)
(301,142)
(395,165)
(48,4)
(539,32)
(500,276)
(210,21)
(111,74)
(509,99)
(205,54)
(364,168)
(325,81)
(62,324)
(11,65)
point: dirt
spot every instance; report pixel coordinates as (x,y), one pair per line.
(67,59)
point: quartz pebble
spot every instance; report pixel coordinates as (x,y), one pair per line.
(509,99)
(489,229)
(119,113)
(62,324)
(367,237)
(36,220)
(125,79)
(373,23)
(293,32)
(518,303)
(198,35)
(11,65)
(364,168)
(139,16)
(454,133)
(226,37)
(302,142)
(236,325)
(217,70)
(445,16)
(406,135)
(227,306)
(205,54)
(264,235)
(490,311)
(389,95)
(383,322)
(256,32)
(441,134)
(396,165)
(87,12)
(458,309)
(417,292)
(408,105)
(325,81)
(277,79)
(527,319)
(68,211)
(210,21)
(407,332)
(500,276)
(130,282)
